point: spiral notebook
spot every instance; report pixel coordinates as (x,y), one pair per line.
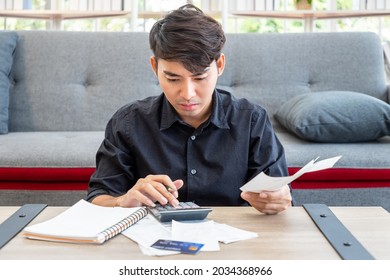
(85,222)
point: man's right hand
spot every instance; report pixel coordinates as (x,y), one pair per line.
(147,191)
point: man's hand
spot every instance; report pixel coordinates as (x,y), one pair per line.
(146,191)
(150,189)
(269,202)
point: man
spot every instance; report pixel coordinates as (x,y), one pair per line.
(193,142)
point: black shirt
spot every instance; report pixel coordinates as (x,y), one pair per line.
(214,161)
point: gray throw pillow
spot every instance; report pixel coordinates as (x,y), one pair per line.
(8,40)
(336,116)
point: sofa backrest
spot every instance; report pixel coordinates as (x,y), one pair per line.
(76,80)
(65,81)
(272,68)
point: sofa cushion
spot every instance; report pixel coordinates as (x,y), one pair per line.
(8,41)
(50,149)
(336,116)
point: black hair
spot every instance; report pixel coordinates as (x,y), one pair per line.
(189,36)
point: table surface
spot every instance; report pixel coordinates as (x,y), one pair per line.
(288,235)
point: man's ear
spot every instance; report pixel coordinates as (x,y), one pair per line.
(221,64)
(153,63)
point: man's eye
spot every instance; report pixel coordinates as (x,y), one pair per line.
(172,80)
(200,79)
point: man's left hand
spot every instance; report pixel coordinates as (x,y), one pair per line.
(269,202)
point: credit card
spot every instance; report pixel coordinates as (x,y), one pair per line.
(178,246)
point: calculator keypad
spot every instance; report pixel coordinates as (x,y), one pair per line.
(182,205)
(184,211)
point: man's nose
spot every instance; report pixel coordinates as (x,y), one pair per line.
(188,90)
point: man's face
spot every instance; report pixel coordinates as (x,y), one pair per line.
(189,93)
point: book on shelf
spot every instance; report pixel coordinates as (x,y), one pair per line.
(85,222)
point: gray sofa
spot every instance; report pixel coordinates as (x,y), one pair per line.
(66,85)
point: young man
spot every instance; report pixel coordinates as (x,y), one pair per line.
(193,142)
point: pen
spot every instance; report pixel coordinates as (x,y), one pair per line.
(168,188)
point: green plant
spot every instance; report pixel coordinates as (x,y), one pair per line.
(308,1)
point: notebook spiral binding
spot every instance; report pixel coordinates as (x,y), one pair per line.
(124,224)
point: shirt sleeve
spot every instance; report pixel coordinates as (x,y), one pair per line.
(266,153)
(114,173)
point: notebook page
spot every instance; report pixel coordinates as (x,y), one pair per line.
(83,220)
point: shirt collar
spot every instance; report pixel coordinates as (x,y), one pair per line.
(218,116)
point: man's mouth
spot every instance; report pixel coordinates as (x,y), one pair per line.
(188,106)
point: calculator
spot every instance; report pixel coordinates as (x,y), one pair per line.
(183,212)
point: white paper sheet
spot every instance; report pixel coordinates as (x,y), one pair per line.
(199,232)
(149,230)
(228,234)
(263,182)
(146,232)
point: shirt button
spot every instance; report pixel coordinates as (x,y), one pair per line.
(193,171)
(193,137)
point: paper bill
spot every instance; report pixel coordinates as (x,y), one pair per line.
(263,182)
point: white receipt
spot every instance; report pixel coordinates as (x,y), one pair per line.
(148,230)
(263,182)
(228,234)
(199,232)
